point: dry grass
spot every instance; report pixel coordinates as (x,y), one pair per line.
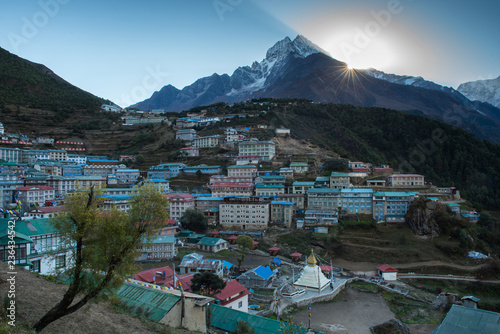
(35,296)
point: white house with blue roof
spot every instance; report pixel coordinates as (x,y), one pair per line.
(258,277)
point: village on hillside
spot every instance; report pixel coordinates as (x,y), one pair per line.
(254,195)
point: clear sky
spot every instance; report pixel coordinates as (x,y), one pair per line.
(125,50)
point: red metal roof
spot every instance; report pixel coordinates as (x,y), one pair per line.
(48,209)
(385,268)
(274,249)
(324,267)
(233,185)
(232,288)
(295,254)
(147,275)
(35,188)
(233,237)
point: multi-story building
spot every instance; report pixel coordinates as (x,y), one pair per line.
(269,190)
(356,200)
(406,180)
(321,217)
(165,171)
(11,154)
(9,182)
(266,150)
(246,159)
(100,170)
(190,151)
(233,136)
(324,199)
(58,155)
(339,180)
(51,167)
(391,206)
(62,184)
(204,169)
(232,189)
(297,199)
(85,181)
(204,203)
(299,167)
(282,212)
(301,187)
(37,241)
(179,203)
(322,182)
(251,214)
(230,179)
(187,134)
(35,195)
(242,171)
(126,175)
(270,179)
(119,202)
(72,169)
(159,248)
(163,186)
(79,159)
(206,142)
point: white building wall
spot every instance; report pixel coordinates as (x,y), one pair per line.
(235,304)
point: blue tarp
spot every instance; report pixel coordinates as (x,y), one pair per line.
(276,261)
(264,272)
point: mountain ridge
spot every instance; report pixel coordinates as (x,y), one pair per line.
(300,69)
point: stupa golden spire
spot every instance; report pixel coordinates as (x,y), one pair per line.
(311,260)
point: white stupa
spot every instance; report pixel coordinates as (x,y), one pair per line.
(312,278)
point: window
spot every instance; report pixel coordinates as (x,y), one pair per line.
(240,304)
(60,261)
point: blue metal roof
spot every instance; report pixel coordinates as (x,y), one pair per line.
(264,272)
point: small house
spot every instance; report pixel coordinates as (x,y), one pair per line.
(212,244)
(387,272)
(234,296)
(258,277)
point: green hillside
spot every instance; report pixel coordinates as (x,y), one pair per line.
(27,84)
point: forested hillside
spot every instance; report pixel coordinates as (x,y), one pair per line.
(446,155)
(27,84)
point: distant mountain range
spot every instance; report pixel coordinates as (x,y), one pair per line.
(300,69)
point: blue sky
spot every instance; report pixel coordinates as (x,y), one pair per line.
(125,50)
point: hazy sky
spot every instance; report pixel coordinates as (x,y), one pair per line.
(125,50)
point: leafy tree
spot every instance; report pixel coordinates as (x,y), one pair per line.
(194,220)
(245,244)
(104,244)
(336,164)
(207,283)
(242,327)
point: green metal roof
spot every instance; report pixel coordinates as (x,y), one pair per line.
(261,185)
(303,183)
(299,164)
(210,241)
(154,304)
(25,229)
(241,166)
(334,174)
(466,320)
(226,319)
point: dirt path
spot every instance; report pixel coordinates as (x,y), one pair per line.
(370,247)
(368,266)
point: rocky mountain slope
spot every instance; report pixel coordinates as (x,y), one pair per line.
(482,90)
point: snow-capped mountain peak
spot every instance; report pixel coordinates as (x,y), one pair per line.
(482,90)
(300,46)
